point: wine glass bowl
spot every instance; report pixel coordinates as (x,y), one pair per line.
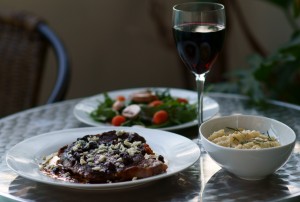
(199,31)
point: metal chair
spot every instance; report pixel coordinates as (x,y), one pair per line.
(24,42)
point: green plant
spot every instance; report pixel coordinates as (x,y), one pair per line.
(276,76)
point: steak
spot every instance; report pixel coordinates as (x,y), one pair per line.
(112,156)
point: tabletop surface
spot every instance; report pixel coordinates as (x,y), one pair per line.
(204,181)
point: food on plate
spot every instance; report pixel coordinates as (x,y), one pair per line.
(240,138)
(149,108)
(113,156)
(160,116)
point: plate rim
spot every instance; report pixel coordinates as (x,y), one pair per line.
(89,121)
(111,186)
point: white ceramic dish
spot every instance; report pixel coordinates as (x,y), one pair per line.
(244,163)
(83,109)
(24,158)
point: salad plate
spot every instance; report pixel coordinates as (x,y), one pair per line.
(25,157)
(85,107)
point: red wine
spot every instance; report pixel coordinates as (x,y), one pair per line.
(199,44)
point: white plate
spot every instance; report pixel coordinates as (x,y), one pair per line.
(83,109)
(24,158)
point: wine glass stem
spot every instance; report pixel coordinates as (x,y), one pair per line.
(200,79)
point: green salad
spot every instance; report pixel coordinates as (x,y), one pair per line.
(149,108)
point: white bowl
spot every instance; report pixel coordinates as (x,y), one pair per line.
(253,164)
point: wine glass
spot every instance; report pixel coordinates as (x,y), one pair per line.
(198,30)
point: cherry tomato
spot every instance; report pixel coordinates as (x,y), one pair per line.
(121,98)
(182,100)
(118,120)
(160,117)
(155,103)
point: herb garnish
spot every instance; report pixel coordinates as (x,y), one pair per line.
(234,129)
(234,138)
(244,142)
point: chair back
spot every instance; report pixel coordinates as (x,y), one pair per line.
(24,42)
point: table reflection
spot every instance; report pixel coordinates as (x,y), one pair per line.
(282,183)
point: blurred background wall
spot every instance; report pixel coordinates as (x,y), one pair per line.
(119,44)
